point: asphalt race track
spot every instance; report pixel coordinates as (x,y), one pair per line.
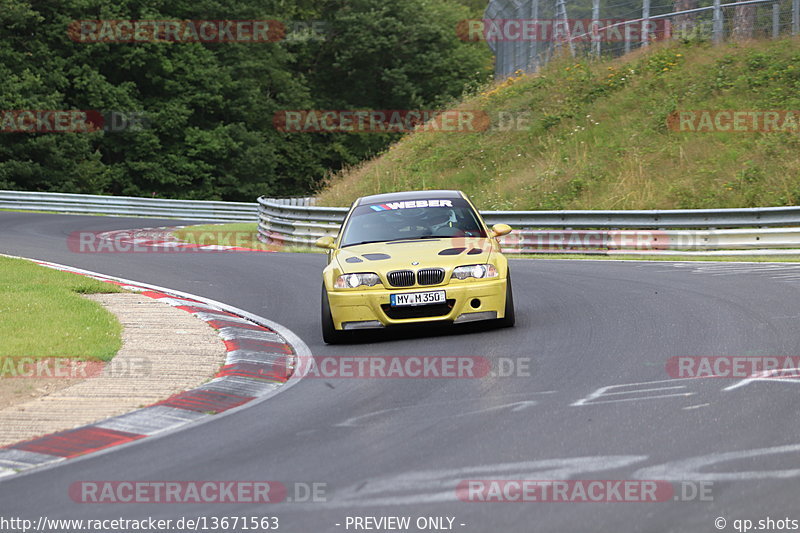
(398,447)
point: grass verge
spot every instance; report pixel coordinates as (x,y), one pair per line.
(43,315)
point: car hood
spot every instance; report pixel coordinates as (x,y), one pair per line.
(447,253)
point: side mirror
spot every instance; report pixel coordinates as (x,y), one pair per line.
(325,242)
(499,230)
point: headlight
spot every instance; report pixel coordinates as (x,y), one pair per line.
(351,281)
(475,271)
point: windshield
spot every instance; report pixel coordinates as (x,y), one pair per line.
(413,219)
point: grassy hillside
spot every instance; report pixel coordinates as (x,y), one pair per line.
(598,137)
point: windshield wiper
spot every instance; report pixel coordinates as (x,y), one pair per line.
(362,242)
(392,240)
(401,239)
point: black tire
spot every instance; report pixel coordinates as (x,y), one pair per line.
(330,334)
(509,319)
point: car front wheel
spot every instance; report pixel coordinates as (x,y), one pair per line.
(509,319)
(330,334)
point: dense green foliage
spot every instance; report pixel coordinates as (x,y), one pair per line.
(209,106)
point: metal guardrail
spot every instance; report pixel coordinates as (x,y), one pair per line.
(297,222)
(757,241)
(664,219)
(196,210)
(759,231)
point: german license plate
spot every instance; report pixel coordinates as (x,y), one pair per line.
(418,298)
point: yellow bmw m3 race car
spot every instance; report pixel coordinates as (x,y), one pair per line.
(414,257)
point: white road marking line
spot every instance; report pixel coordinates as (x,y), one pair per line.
(684,469)
(428,486)
(643,390)
(351,422)
(768,375)
(685,394)
(514,408)
(690,407)
(592,398)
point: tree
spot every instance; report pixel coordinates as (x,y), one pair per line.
(209,106)
(744,22)
(391,56)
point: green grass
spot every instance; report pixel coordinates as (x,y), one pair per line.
(44,211)
(24,211)
(43,315)
(598,136)
(238,234)
(78,214)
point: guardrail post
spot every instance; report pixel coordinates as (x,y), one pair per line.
(516,43)
(561,15)
(506,50)
(595,27)
(717,22)
(776,20)
(533,51)
(627,38)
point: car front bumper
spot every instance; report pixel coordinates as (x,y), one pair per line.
(370,308)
